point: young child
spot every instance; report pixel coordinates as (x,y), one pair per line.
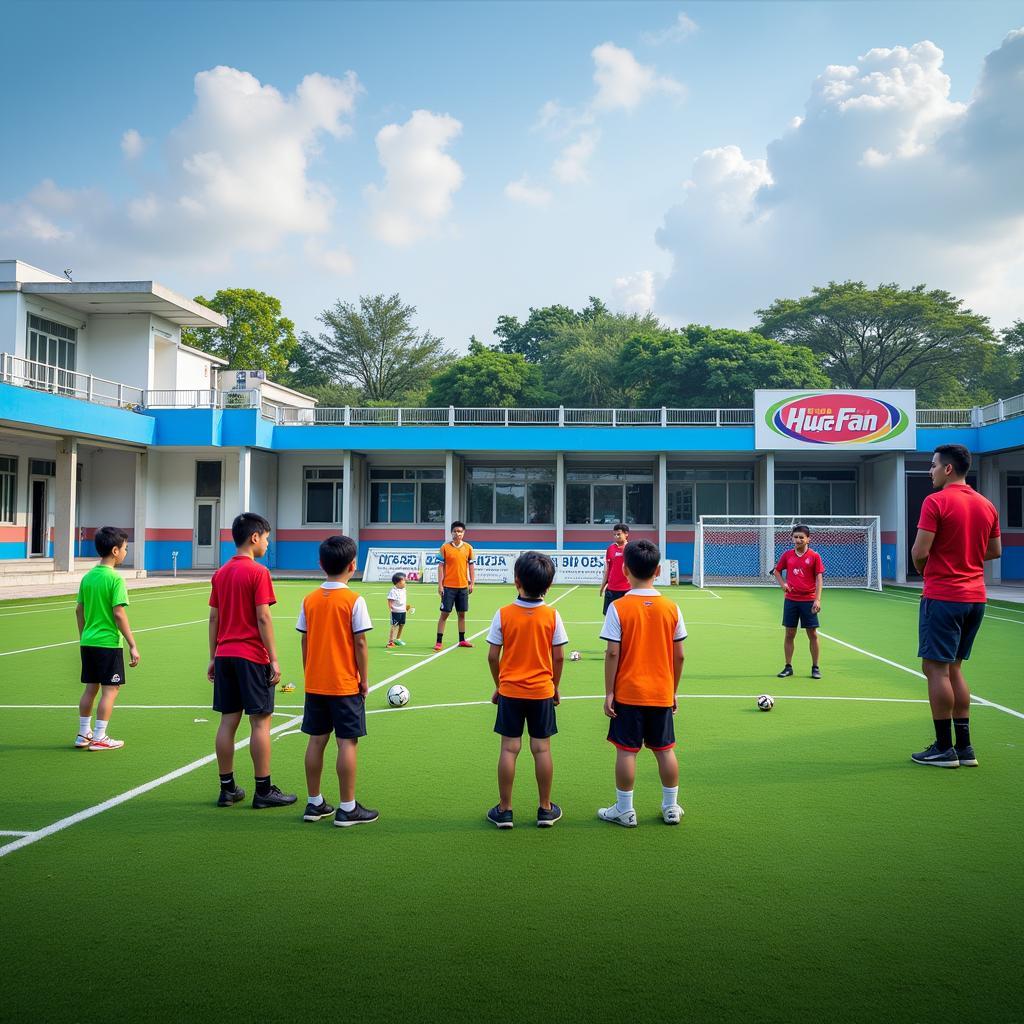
(397,607)
(526,656)
(456,577)
(102,621)
(334,622)
(642,667)
(243,660)
(805,573)
(614,584)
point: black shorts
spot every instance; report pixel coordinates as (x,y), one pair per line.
(798,613)
(610,596)
(635,726)
(345,716)
(398,618)
(456,598)
(538,715)
(242,685)
(946,629)
(103,666)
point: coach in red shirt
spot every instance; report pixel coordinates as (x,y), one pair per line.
(957,533)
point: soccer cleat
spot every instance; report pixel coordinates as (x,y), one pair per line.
(547,817)
(437,647)
(967,757)
(230,797)
(503,819)
(275,798)
(627,819)
(314,812)
(390,643)
(399,643)
(672,815)
(937,758)
(105,743)
(465,643)
(359,815)
(785,673)
(815,672)
(82,741)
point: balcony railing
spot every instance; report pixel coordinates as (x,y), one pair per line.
(27,373)
(202,398)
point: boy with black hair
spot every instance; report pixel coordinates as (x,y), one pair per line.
(526,656)
(613,583)
(334,622)
(102,621)
(642,667)
(805,574)
(243,660)
(456,577)
(397,598)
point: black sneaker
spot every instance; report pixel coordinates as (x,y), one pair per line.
(314,812)
(547,818)
(275,798)
(815,672)
(967,757)
(503,819)
(937,758)
(359,815)
(230,796)
(786,672)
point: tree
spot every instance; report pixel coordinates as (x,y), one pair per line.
(257,337)
(488,378)
(887,337)
(376,348)
(1013,346)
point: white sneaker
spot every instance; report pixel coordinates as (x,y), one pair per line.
(627,819)
(672,815)
(106,743)
(82,741)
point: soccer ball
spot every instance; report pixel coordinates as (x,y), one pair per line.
(575,656)
(765,702)
(398,696)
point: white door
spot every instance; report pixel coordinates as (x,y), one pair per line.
(206,538)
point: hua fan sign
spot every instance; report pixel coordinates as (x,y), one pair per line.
(851,420)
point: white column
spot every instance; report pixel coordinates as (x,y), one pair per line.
(347,488)
(244,480)
(65,500)
(139,519)
(663,505)
(768,506)
(449,490)
(559,501)
(989,485)
(902,541)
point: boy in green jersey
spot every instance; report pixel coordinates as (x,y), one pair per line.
(102,621)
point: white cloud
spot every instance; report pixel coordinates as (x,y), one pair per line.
(635,292)
(132,144)
(338,261)
(683,27)
(522,191)
(570,167)
(419,177)
(623,83)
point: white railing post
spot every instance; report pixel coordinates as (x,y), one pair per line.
(120,396)
(718,417)
(348,416)
(1002,414)
(664,416)
(451,415)
(399,415)
(615,417)
(506,415)
(88,387)
(561,415)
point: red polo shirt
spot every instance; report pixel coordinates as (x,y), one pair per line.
(238,586)
(802,572)
(616,577)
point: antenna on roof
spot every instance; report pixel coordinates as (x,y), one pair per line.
(67,274)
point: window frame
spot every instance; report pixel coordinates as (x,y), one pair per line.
(829,477)
(337,497)
(692,478)
(9,491)
(584,476)
(387,476)
(502,475)
(1016,485)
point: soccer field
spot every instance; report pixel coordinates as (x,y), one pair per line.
(817,874)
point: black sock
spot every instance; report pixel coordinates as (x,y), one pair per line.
(962,728)
(227,782)
(943,733)
(263,784)
(462,637)
(440,637)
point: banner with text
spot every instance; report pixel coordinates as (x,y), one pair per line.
(491,566)
(587,567)
(383,563)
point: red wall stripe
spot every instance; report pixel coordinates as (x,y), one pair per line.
(184,535)
(888,536)
(601,538)
(13,533)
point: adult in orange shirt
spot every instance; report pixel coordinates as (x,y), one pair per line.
(957,533)
(334,622)
(526,656)
(456,577)
(642,667)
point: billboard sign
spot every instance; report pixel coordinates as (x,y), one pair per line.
(851,420)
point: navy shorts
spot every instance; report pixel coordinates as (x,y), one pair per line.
(635,726)
(398,618)
(103,666)
(538,715)
(345,716)
(456,598)
(242,685)
(798,613)
(611,596)
(946,629)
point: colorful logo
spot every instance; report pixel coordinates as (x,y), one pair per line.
(837,419)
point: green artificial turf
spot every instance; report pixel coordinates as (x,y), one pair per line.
(817,875)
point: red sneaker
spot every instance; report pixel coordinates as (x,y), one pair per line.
(437,647)
(465,643)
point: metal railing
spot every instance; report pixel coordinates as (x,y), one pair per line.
(56,380)
(202,398)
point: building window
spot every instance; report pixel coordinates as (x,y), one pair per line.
(511,495)
(1015,500)
(42,467)
(692,493)
(815,492)
(8,487)
(208,476)
(626,496)
(53,345)
(406,495)
(324,486)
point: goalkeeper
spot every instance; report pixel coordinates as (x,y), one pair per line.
(805,574)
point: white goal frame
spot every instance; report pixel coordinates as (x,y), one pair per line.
(771,535)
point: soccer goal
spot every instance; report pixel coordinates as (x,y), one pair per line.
(741,551)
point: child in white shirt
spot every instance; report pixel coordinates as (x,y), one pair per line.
(397,606)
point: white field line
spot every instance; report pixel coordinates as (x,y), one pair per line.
(4,832)
(68,643)
(988,614)
(141,599)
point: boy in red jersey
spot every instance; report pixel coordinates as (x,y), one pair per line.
(614,583)
(805,573)
(642,667)
(957,533)
(243,660)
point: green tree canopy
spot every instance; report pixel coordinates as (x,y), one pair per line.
(1012,338)
(257,336)
(534,337)
(488,378)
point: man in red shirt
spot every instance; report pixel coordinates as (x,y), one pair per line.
(243,660)
(805,573)
(957,533)
(614,583)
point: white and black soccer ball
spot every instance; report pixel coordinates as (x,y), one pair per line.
(575,656)
(765,702)
(398,696)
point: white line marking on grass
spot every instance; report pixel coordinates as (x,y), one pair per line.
(68,643)
(4,832)
(988,615)
(142,599)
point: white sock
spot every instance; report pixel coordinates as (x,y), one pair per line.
(317,800)
(101,730)
(669,796)
(84,724)
(347,805)
(623,800)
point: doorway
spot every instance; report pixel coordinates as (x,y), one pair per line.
(919,486)
(205,554)
(39,530)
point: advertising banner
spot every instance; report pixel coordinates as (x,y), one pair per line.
(491,566)
(383,563)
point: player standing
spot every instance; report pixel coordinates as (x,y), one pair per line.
(614,583)
(805,573)
(456,577)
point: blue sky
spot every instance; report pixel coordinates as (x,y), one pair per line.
(481,158)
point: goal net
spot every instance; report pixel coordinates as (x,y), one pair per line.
(741,551)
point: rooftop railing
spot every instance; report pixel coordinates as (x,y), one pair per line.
(56,380)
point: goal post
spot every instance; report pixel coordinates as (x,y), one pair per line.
(741,551)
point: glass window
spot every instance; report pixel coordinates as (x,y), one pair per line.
(814,499)
(8,486)
(402,495)
(1015,500)
(609,496)
(481,502)
(204,531)
(680,501)
(640,503)
(324,488)
(432,502)
(208,479)
(787,499)
(712,499)
(510,503)
(510,494)
(378,503)
(741,498)
(607,503)
(844,499)
(816,492)
(42,467)
(693,493)
(540,503)
(577,503)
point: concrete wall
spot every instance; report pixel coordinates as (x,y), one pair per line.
(106,496)
(14,536)
(192,372)
(119,348)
